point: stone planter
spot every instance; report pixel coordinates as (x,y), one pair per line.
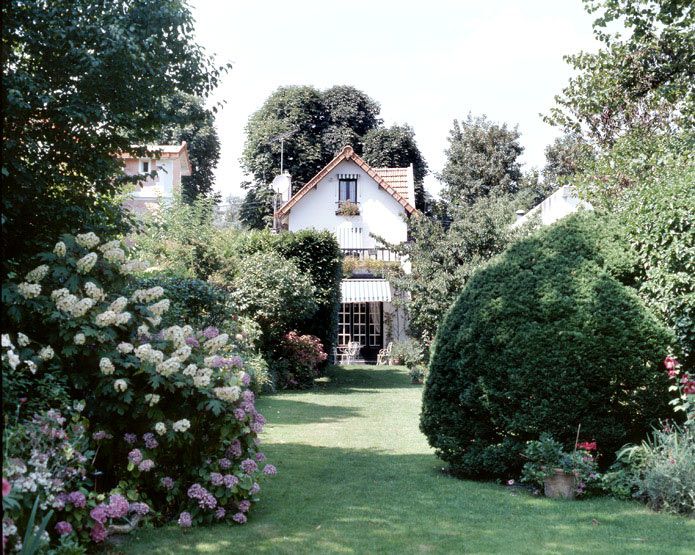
(561,485)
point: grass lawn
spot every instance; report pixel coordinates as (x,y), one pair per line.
(355,475)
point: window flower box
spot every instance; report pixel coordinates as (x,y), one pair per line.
(348,208)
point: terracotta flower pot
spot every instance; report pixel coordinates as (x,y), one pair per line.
(560,486)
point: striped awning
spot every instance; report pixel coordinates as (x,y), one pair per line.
(365,290)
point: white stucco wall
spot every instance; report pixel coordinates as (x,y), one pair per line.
(561,203)
(161,186)
(380,213)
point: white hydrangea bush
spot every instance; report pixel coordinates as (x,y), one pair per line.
(175,400)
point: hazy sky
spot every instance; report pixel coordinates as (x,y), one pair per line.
(425,62)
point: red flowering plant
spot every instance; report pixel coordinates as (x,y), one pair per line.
(302,355)
(684,387)
(546,455)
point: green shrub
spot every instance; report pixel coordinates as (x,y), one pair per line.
(314,253)
(197,302)
(662,469)
(541,340)
(657,219)
(408,352)
(274,293)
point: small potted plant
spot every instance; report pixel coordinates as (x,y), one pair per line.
(562,475)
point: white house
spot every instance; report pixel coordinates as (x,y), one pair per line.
(171,162)
(355,201)
(561,203)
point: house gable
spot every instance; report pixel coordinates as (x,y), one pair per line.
(346,154)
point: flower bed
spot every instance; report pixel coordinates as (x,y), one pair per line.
(174,421)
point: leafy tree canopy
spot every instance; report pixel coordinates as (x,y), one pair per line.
(194,123)
(396,147)
(82,81)
(644,79)
(482,159)
(315,125)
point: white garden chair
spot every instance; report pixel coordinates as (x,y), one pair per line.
(348,353)
(384,356)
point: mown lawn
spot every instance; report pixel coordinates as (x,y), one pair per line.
(356,476)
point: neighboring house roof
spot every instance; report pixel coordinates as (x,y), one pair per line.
(348,153)
(166,151)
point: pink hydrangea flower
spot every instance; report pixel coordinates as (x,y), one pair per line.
(269,470)
(146,465)
(63,528)
(220,513)
(99,514)
(118,506)
(98,533)
(167,482)
(244,506)
(249,466)
(6,487)
(185,520)
(135,456)
(240,518)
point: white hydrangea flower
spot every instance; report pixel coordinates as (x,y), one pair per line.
(114,255)
(12,359)
(22,339)
(190,370)
(81,308)
(123,318)
(87,240)
(94,291)
(106,318)
(168,367)
(152,399)
(202,377)
(6,341)
(143,329)
(66,302)
(216,343)
(46,353)
(29,290)
(120,385)
(147,295)
(32,366)
(155,321)
(181,425)
(106,366)
(125,348)
(160,428)
(182,353)
(37,274)
(59,249)
(229,394)
(86,263)
(80,339)
(109,245)
(119,304)
(160,308)
(176,335)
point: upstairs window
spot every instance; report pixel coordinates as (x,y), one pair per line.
(144,166)
(347,188)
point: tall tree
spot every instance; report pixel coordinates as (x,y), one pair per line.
(641,80)
(396,147)
(564,157)
(482,159)
(82,81)
(194,123)
(351,115)
(314,126)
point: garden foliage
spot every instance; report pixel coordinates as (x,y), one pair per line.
(170,406)
(541,340)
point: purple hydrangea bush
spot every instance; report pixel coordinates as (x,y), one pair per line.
(171,408)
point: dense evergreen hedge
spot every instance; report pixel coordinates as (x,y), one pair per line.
(541,340)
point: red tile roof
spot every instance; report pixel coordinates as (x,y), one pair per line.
(401,179)
(395,187)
